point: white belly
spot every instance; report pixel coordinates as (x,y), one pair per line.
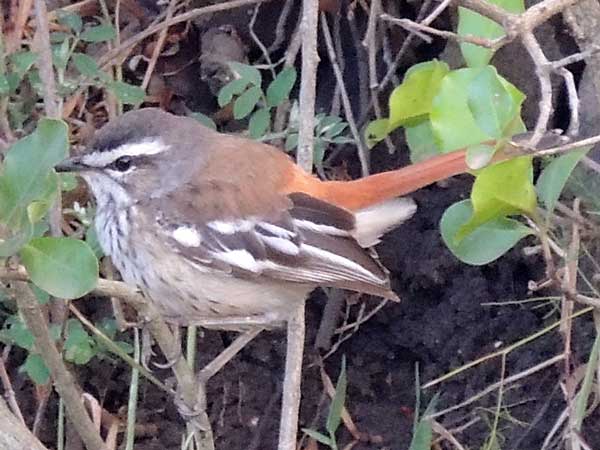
(183,291)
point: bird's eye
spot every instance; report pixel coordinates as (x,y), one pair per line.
(122,164)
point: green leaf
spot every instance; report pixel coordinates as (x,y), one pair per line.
(99,33)
(70,20)
(473,24)
(259,122)
(319,437)
(204,120)
(423,436)
(251,75)
(78,345)
(22,62)
(91,238)
(36,369)
(17,333)
(65,268)
(232,88)
(486,242)
(334,418)
(291,141)
(500,190)
(493,101)
(27,174)
(4,85)
(60,54)
(67,181)
(554,177)
(86,65)
(421,141)
(451,118)
(246,102)
(127,93)
(42,296)
(280,88)
(412,100)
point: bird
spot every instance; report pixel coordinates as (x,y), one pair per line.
(214,226)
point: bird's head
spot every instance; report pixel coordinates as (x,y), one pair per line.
(141,154)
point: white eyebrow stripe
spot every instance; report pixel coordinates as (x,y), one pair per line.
(145,147)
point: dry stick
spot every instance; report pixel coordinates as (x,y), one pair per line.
(62,378)
(363,155)
(13,434)
(497,385)
(14,38)
(258,42)
(569,289)
(543,74)
(573,100)
(160,42)
(193,14)
(288,429)
(9,392)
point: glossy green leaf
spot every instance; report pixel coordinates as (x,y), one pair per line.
(334,418)
(127,93)
(36,369)
(555,175)
(70,20)
(412,100)
(291,141)
(245,72)
(232,88)
(259,122)
(421,141)
(451,118)
(500,190)
(280,88)
(483,244)
(99,33)
(63,267)
(91,238)
(246,102)
(86,65)
(493,101)
(27,174)
(474,24)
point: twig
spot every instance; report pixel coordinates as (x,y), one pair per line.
(158,46)
(363,155)
(14,39)
(280,27)
(258,42)
(545,104)
(62,378)
(573,101)
(190,15)
(44,61)
(9,392)
(288,429)
(290,404)
(497,385)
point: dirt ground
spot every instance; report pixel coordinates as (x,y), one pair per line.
(444,320)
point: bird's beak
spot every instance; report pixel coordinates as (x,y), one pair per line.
(73,164)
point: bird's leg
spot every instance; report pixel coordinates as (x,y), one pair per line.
(172,359)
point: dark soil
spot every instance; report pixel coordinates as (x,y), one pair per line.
(442,323)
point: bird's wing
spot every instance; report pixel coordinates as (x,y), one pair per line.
(247,233)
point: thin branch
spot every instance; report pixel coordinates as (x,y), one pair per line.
(63,380)
(190,15)
(363,154)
